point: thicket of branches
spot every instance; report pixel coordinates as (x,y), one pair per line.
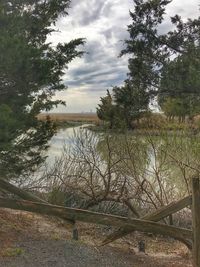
(123,174)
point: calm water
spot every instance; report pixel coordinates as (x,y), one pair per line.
(171,172)
(63,138)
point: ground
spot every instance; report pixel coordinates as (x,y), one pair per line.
(29,240)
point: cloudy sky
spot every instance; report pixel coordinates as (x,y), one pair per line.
(104,24)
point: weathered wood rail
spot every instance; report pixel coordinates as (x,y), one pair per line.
(149,223)
(156,216)
(19,192)
(181,234)
(23,194)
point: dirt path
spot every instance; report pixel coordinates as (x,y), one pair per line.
(35,241)
(74,254)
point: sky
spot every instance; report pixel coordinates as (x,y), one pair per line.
(104,25)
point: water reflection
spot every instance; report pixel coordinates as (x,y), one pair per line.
(63,138)
(161,165)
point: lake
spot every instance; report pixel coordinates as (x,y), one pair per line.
(161,165)
(63,138)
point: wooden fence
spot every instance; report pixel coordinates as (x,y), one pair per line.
(149,223)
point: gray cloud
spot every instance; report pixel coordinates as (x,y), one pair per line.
(91,10)
(104,24)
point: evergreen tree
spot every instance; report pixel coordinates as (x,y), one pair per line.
(180,85)
(162,65)
(106,110)
(30,73)
(150,50)
(131,101)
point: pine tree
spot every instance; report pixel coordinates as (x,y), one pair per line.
(30,73)
(150,51)
(106,110)
(180,83)
(131,101)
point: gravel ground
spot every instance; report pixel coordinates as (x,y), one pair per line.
(46,242)
(62,253)
(51,253)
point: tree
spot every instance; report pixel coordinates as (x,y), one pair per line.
(132,102)
(149,49)
(127,104)
(106,111)
(174,107)
(30,73)
(180,84)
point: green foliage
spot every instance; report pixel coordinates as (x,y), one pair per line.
(7,123)
(175,107)
(31,72)
(164,65)
(131,101)
(171,60)
(179,93)
(106,111)
(57,197)
(127,104)
(144,44)
(181,76)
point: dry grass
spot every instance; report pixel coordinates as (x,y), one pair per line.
(12,226)
(70,117)
(17,226)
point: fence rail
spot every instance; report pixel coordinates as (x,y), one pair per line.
(149,223)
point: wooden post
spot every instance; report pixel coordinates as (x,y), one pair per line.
(75,232)
(141,246)
(181,234)
(196,220)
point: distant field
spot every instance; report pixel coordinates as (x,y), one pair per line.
(64,117)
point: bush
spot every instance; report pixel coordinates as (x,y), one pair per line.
(153,121)
(57,197)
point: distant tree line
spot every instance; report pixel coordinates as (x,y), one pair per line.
(165,67)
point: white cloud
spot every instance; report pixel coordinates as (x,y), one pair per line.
(79,100)
(104,24)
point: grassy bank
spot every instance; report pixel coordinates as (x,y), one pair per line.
(154,124)
(70,117)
